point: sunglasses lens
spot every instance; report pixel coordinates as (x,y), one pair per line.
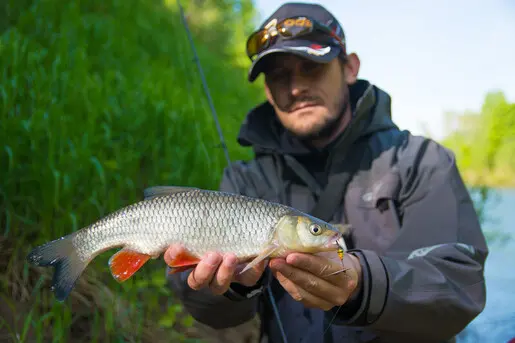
(288,28)
(295,26)
(257,43)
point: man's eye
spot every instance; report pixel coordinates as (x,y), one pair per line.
(311,67)
(277,73)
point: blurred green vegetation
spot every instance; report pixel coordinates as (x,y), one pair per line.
(484,142)
(100,99)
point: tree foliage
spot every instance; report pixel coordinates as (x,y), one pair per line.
(484,142)
(209,20)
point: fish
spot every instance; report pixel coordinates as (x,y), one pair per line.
(200,220)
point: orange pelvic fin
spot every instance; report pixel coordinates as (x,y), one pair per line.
(125,263)
(182,261)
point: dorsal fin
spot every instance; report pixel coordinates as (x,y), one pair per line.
(155,191)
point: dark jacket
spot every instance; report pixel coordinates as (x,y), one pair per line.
(414,229)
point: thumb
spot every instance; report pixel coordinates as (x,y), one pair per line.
(172,252)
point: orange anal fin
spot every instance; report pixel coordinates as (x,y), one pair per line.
(125,263)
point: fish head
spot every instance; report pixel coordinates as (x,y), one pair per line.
(305,233)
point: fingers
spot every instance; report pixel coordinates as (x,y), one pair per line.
(171,252)
(223,277)
(300,294)
(301,283)
(216,271)
(204,272)
(213,271)
(318,265)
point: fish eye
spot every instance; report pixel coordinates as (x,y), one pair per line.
(315,229)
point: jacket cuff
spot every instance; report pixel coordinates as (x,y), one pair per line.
(369,303)
(239,292)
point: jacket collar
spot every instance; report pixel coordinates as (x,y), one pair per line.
(371,109)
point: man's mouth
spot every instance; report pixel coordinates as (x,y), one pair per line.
(302,105)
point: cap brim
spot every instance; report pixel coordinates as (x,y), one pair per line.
(303,48)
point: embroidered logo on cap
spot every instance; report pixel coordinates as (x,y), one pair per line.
(317,50)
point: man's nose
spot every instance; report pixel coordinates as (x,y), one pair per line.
(298,82)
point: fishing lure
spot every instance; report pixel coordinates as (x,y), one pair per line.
(340,254)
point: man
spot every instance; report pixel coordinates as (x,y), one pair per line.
(325,139)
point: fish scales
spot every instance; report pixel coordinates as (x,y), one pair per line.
(202,221)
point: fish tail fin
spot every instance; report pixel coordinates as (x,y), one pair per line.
(62,255)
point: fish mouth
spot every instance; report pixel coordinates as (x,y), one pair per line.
(336,242)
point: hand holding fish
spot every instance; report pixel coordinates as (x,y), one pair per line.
(217,271)
(318,281)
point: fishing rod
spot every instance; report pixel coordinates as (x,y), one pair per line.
(208,95)
(224,147)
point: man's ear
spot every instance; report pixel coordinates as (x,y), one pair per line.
(351,68)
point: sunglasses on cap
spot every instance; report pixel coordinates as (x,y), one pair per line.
(288,28)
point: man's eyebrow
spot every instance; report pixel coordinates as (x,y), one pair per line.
(273,66)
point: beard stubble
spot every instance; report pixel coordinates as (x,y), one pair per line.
(317,132)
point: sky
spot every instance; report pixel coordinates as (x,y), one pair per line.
(432,57)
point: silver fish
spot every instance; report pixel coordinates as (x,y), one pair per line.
(200,220)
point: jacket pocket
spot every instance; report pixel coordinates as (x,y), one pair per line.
(372,212)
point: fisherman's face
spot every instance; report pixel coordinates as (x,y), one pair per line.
(310,99)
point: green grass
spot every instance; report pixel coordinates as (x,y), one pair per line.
(99,100)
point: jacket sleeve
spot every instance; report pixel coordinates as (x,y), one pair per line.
(218,312)
(430,281)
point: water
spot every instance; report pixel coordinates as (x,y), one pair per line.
(497,322)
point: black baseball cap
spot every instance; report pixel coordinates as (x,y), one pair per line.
(319,47)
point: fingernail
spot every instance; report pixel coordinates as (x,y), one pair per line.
(276,263)
(231,261)
(172,251)
(212,259)
(292,259)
